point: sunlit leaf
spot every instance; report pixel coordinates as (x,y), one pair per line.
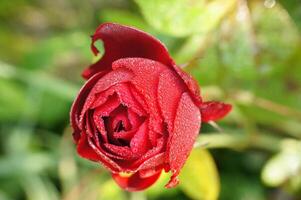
(208,68)
(294,9)
(283,166)
(37,188)
(25,164)
(199,178)
(158,189)
(12,99)
(109,190)
(59,52)
(123,17)
(194,45)
(276,35)
(184,17)
(237,44)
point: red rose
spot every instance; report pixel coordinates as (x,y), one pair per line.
(138,113)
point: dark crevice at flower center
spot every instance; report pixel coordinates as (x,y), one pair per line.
(107,127)
(124,142)
(119,127)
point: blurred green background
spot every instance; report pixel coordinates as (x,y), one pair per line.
(244,52)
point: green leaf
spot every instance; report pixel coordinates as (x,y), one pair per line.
(123,17)
(277,37)
(40,81)
(158,190)
(12,99)
(240,186)
(209,69)
(293,7)
(284,166)
(199,178)
(237,45)
(109,190)
(37,188)
(3,196)
(184,17)
(58,53)
(194,45)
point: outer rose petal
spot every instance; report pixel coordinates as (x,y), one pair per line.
(87,150)
(186,129)
(122,42)
(84,149)
(170,89)
(135,182)
(79,103)
(192,85)
(212,111)
(127,42)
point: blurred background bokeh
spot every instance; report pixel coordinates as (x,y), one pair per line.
(246,52)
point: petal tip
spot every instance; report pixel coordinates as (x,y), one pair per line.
(213,111)
(173,182)
(135,182)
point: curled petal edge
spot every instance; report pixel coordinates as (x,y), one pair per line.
(213,110)
(137,181)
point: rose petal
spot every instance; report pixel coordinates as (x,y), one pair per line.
(134,119)
(100,127)
(153,136)
(139,97)
(152,158)
(153,161)
(107,108)
(124,94)
(128,99)
(125,135)
(186,128)
(144,173)
(139,143)
(85,150)
(212,110)
(88,150)
(135,182)
(108,80)
(91,129)
(79,103)
(119,116)
(192,85)
(170,89)
(160,148)
(122,41)
(146,82)
(123,152)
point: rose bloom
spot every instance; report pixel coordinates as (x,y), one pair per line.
(138,113)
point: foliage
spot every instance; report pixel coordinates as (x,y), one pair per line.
(244,52)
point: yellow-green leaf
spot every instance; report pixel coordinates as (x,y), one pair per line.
(284,166)
(184,17)
(110,190)
(199,178)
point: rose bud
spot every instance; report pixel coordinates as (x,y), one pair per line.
(138,113)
